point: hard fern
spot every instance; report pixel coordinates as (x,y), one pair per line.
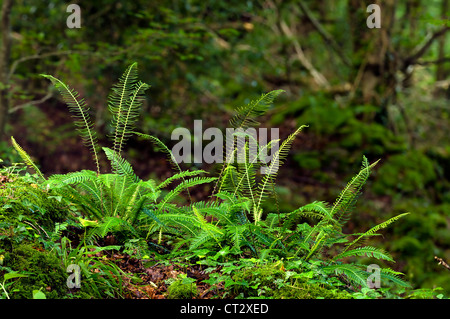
(244,118)
(124,103)
(272,171)
(374,229)
(346,201)
(26,158)
(80,112)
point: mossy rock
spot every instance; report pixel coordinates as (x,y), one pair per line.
(44,272)
(21,197)
(266,279)
(181,290)
(309,291)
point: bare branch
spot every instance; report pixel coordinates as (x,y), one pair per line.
(442,262)
(421,49)
(318,77)
(43,56)
(21,106)
(437,61)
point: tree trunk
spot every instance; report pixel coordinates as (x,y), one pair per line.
(441,71)
(5,52)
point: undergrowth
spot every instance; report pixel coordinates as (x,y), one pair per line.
(300,254)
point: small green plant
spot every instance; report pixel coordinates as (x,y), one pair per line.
(7,281)
(183,288)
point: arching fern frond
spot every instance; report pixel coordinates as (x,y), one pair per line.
(120,165)
(374,229)
(346,201)
(272,170)
(246,115)
(368,251)
(80,112)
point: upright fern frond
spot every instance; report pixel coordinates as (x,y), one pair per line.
(26,158)
(346,201)
(244,118)
(246,115)
(124,103)
(120,165)
(80,112)
(272,170)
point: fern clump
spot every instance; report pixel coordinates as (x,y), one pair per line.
(235,218)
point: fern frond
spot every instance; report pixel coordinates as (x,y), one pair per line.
(244,118)
(209,231)
(180,175)
(246,115)
(120,165)
(374,229)
(160,146)
(272,171)
(26,158)
(59,180)
(391,275)
(184,185)
(110,224)
(124,103)
(346,201)
(368,251)
(316,209)
(80,112)
(354,273)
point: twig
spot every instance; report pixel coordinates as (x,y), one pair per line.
(442,262)
(437,61)
(21,106)
(421,49)
(318,77)
(42,56)
(27,222)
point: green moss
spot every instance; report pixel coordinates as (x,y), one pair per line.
(44,271)
(19,197)
(180,290)
(309,291)
(407,173)
(265,277)
(269,281)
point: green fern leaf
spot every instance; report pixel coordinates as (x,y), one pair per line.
(124,103)
(120,165)
(366,251)
(246,115)
(26,158)
(375,229)
(346,201)
(80,112)
(272,170)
